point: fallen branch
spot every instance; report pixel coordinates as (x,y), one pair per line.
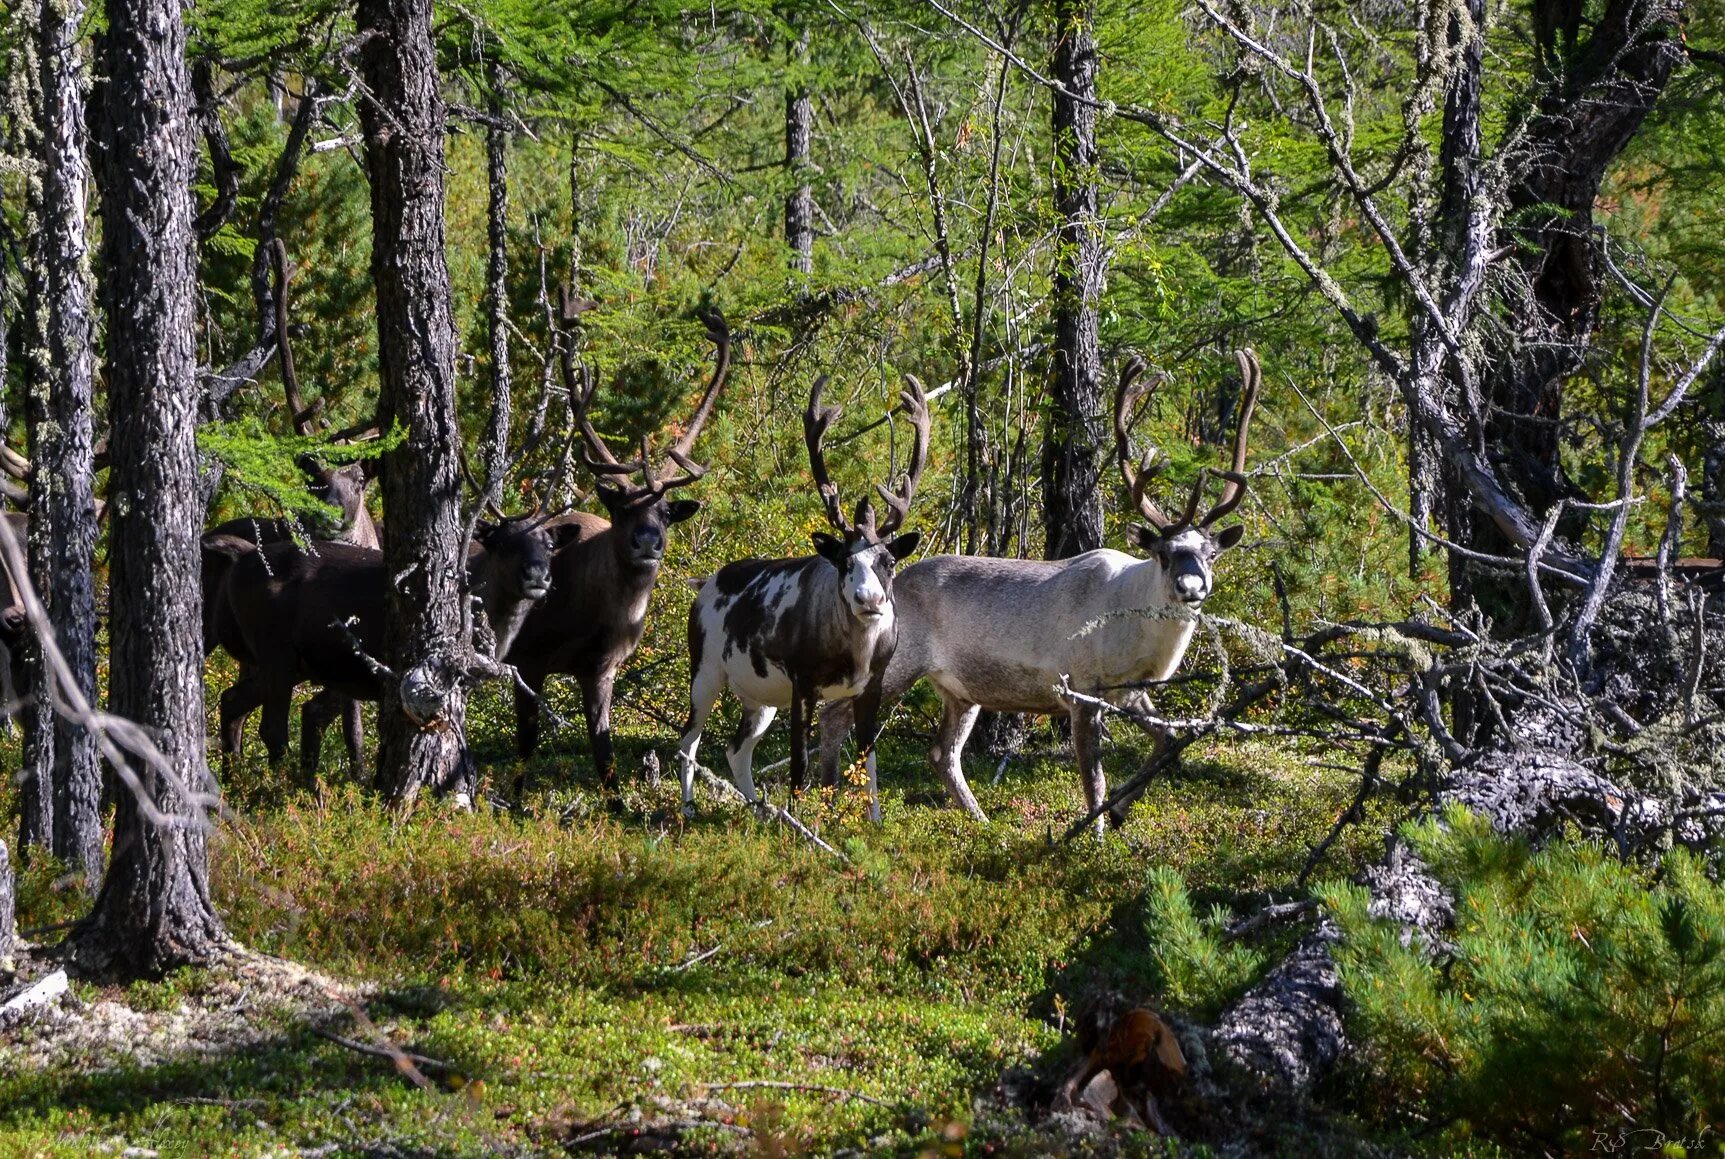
(773,811)
(406,1062)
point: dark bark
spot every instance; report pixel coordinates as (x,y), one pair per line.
(154,911)
(1712,505)
(1072,440)
(8,908)
(497,290)
(420,722)
(799,137)
(36,777)
(62,437)
(1598,91)
(224,170)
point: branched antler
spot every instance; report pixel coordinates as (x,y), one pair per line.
(1126,399)
(582,384)
(915,401)
(816,420)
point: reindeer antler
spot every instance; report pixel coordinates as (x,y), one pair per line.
(1251,374)
(583,384)
(816,420)
(1126,398)
(915,401)
(301,414)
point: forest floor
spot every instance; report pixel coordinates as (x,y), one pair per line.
(580,976)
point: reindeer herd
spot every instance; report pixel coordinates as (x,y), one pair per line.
(570,594)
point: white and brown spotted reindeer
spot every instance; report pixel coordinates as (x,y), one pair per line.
(789,633)
(1002,634)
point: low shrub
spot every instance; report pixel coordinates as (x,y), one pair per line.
(1578,1001)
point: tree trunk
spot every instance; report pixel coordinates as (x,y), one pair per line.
(36,777)
(63,504)
(497,288)
(799,136)
(8,910)
(154,911)
(1072,440)
(1597,93)
(420,734)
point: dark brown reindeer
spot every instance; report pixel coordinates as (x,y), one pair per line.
(606,569)
(340,487)
(292,614)
(789,633)
(1003,634)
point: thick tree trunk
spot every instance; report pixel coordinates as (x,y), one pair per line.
(799,139)
(421,722)
(36,777)
(154,911)
(63,506)
(1072,440)
(1598,91)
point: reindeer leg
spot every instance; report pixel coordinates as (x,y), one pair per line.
(526,724)
(867,715)
(1086,724)
(237,702)
(527,717)
(836,719)
(741,753)
(705,684)
(800,705)
(314,721)
(596,704)
(956,721)
(277,703)
(353,732)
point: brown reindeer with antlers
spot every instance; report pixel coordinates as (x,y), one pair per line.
(604,574)
(792,632)
(1002,634)
(342,487)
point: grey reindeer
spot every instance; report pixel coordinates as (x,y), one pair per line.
(1003,634)
(788,633)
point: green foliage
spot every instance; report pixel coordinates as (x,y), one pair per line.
(265,466)
(1195,971)
(1577,997)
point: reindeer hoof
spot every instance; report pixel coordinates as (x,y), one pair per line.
(688,810)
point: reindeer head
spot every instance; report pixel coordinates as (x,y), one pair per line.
(641,514)
(518,552)
(1186,547)
(862,552)
(341,487)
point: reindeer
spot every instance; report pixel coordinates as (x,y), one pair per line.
(291,615)
(342,488)
(792,632)
(605,572)
(1003,634)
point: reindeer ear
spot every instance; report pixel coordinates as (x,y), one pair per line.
(13,623)
(902,547)
(563,534)
(680,509)
(1143,536)
(483,530)
(1230,535)
(830,549)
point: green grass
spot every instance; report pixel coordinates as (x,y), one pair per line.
(567,957)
